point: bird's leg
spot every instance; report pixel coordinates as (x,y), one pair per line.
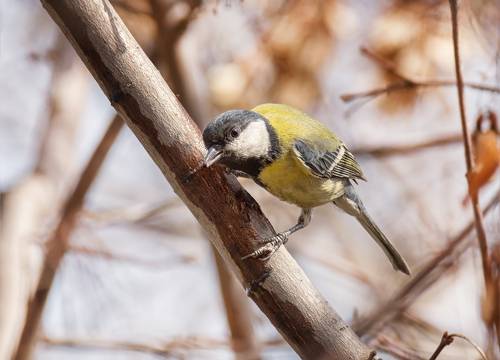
(273,243)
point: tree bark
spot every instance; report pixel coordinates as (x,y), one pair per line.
(231,217)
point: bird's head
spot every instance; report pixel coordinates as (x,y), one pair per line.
(238,137)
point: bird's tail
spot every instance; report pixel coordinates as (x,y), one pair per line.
(351,203)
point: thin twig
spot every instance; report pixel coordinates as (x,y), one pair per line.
(388,65)
(394,150)
(474,345)
(374,93)
(447,339)
(406,82)
(481,233)
(394,348)
(136,213)
(110,255)
(163,349)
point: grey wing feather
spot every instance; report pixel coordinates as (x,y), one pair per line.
(338,163)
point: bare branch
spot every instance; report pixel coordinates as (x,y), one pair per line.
(469,160)
(58,242)
(395,348)
(413,84)
(109,255)
(231,217)
(447,339)
(406,82)
(395,150)
(168,348)
(387,65)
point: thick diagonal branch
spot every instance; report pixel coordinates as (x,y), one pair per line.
(224,209)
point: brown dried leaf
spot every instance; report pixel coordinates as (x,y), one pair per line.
(486,151)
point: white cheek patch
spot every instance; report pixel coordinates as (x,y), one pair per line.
(253,141)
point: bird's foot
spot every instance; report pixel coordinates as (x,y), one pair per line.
(269,248)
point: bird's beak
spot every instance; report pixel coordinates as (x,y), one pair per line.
(214,153)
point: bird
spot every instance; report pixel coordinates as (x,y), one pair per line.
(297,159)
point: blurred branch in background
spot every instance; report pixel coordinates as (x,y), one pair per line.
(172,20)
(405,82)
(396,349)
(33,202)
(492,309)
(368,325)
(110,255)
(177,347)
(489,286)
(238,313)
(226,211)
(406,149)
(57,244)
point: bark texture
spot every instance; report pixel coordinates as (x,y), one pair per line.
(231,217)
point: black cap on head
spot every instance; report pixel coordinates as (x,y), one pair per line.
(223,127)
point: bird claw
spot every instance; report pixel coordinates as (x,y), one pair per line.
(282,238)
(269,248)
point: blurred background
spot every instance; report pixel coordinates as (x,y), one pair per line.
(139,280)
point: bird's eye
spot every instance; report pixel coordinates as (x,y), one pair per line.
(234,133)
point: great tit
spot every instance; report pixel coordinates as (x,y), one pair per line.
(295,158)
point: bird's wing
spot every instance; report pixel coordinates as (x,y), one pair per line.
(327,164)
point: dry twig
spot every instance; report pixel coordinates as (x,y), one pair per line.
(406,82)
(395,150)
(469,159)
(447,339)
(168,348)
(395,348)
(110,255)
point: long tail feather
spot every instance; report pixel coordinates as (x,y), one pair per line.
(351,204)
(396,259)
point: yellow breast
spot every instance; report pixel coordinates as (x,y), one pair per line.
(288,181)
